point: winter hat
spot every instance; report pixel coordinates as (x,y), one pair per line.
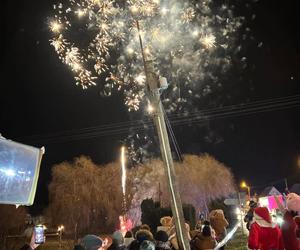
(91,242)
(293,202)
(143,235)
(78,247)
(117,238)
(161,236)
(147,245)
(262,213)
(145,227)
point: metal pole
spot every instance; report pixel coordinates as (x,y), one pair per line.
(286,184)
(60,239)
(176,204)
(159,121)
(241,217)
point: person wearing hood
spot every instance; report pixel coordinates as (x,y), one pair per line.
(92,242)
(140,236)
(128,238)
(117,241)
(204,240)
(264,235)
(291,222)
(162,241)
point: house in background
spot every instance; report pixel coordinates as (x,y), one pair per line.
(269,191)
(295,188)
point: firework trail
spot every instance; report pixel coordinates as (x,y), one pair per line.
(123,165)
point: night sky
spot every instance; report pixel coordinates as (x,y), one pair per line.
(39,97)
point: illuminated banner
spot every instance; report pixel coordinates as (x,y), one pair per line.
(19,172)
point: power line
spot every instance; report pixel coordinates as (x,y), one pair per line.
(178,119)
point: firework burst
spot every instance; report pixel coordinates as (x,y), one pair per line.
(190,43)
(182,39)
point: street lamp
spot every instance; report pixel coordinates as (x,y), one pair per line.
(244,185)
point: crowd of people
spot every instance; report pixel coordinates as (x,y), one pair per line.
(264,233)
(205,236)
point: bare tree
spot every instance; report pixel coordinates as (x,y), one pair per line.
(201,179)
(87,198)
(12,220)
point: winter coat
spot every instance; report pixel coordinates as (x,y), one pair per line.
(204,242)
(140,236)
(160,245)
(265,236)
(26,247)
(288,230)
(134,245)
(116,247)
(127,241)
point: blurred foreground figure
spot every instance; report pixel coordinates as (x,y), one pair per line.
(291,221)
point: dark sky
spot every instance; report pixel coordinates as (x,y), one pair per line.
(38,96)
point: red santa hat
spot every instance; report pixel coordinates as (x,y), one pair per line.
(293,202)
(262,213)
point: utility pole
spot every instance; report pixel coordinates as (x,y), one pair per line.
(159,121)
(154,88)
(286,185)
(241,214)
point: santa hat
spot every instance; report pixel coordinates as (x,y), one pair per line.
(293,202)
(262,213)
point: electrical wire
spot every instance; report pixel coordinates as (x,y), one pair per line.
(198,117)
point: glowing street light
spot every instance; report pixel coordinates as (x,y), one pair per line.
(244,185)
(60,228)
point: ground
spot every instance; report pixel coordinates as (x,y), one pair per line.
(238,242)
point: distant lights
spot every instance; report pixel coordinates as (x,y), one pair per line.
(60,228)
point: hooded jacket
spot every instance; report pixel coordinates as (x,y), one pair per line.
(204,242)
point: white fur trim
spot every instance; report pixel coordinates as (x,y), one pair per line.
(261,222)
